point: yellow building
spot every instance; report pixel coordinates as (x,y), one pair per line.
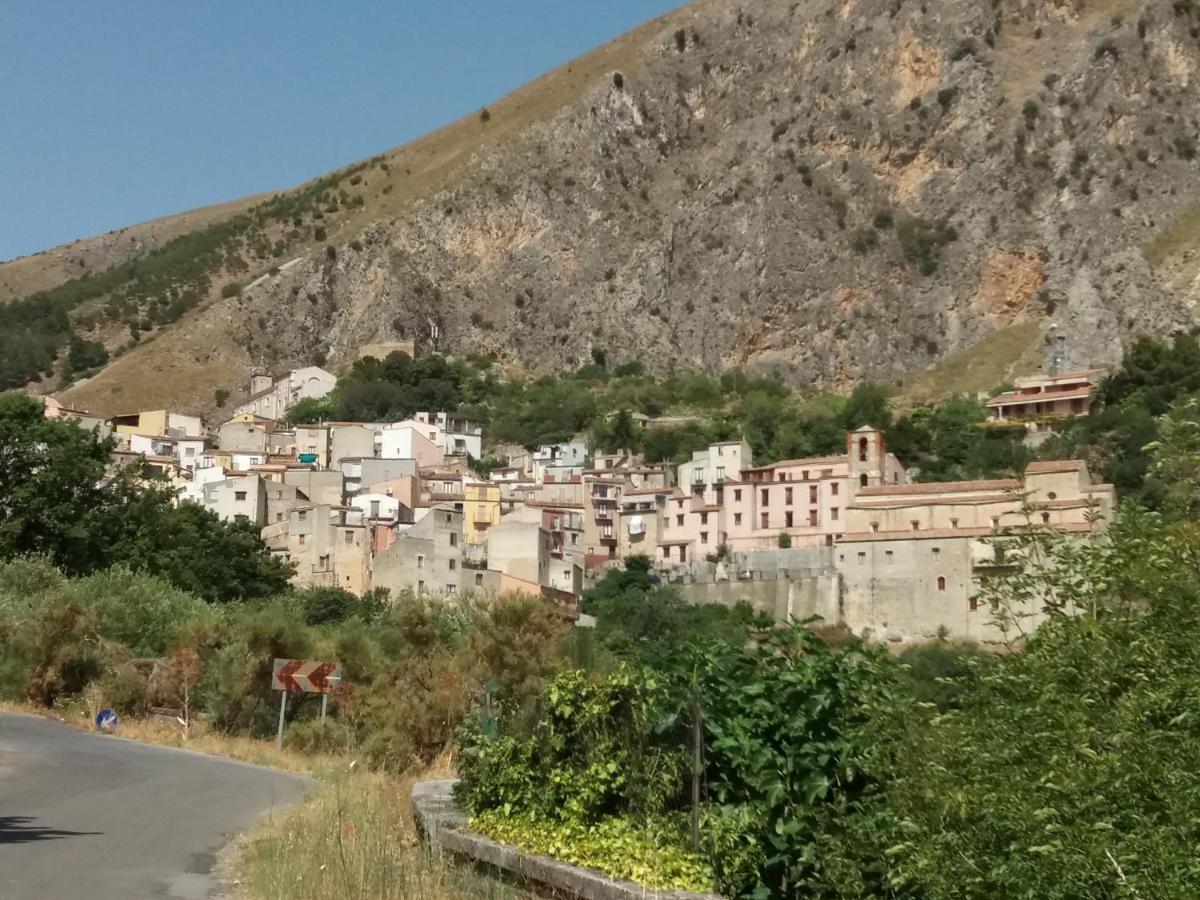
(154,422)
(482,509)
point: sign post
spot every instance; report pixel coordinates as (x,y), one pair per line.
(282,710)
(301,676)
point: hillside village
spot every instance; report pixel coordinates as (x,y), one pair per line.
(756,458)
(403,505)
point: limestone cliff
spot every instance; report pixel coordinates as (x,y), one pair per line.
(829,189)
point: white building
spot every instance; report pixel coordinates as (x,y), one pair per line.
(559,461)
(242,498)
(191,452)
(412,440)
(456,436)
(271,398)
(706,469)
(377,506)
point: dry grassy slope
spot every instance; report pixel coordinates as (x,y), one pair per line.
(717,205)
(38,272)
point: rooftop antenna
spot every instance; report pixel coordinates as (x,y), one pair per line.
(1058,350)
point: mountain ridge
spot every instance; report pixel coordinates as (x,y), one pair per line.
(827,191)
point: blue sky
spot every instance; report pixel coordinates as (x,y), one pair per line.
(114,113)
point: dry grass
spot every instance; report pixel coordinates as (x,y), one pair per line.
(1002,355)
(28,275)
(353,838)
(1181,236)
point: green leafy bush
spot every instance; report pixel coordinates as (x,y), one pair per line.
(647,852)
(921,242)
(786,724)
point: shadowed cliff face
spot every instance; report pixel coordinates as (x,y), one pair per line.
(831,190)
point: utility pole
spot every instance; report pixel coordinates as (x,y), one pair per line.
(697,762)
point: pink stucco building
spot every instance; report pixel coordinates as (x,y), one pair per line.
(749,507)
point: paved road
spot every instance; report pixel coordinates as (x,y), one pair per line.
(91,816)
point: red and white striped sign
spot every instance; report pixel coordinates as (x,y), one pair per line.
(305,676)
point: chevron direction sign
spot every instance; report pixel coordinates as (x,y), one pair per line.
(305,676)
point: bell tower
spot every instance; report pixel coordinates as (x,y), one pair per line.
(866,453)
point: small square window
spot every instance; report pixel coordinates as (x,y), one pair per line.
(240,496)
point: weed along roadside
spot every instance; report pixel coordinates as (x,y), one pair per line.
(445,828)
(353,837)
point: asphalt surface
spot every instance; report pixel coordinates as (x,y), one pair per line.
(92,816)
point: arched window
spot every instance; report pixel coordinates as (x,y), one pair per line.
(862,480)
(941,582)
(862,449)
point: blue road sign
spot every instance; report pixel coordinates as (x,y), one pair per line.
(106,720)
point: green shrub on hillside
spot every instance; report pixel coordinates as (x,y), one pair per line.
(922,241)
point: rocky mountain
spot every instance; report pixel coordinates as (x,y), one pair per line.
(826,189)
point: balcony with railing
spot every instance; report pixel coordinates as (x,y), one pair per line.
(474,556)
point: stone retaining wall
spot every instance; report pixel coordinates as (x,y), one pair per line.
(444,827)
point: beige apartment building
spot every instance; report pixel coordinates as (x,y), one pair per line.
(428,556)
(329,546)
(914,555)
(603,488)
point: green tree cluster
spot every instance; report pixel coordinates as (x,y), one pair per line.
(1153,376)
(59,499)
(412,666)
